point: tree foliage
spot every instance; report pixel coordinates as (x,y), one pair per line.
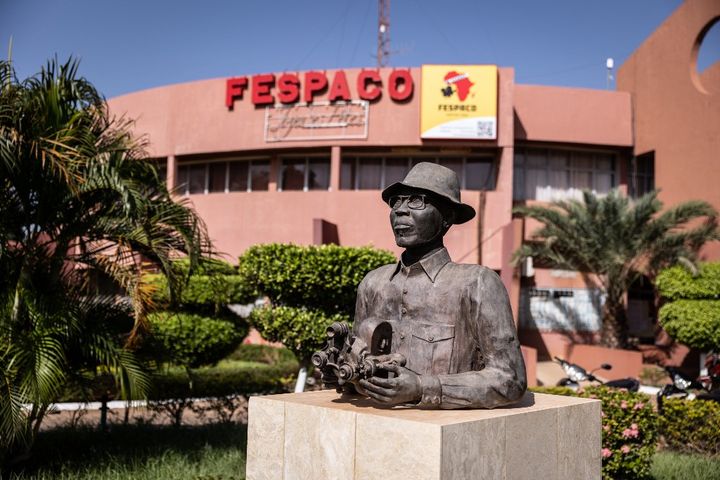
(679,282)
(308,288)
(692,316)
(193,340)
(620,240)
(75,198)
(197,328)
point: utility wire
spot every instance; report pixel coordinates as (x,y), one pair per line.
(324,37)
(360,34)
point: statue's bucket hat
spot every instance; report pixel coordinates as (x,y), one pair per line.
(438,180)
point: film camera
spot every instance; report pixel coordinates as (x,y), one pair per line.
(347,357)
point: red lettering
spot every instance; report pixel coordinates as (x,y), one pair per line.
(234,88)
(397,78)
(339,88)
(315,82)
(289,88)
(261,85)
(364,78)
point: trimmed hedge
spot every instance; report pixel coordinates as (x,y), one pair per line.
(205,267)
(223,381)
(691,426)
(678,283)
(193,340)
(695,323)
(262,354)
(203,291)
(302,331)
(629,436)
(233,378)
(323,277)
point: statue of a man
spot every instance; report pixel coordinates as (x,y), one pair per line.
(451,322)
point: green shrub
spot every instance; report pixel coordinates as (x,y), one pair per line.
(203,292)
(629,435)
(322,277)
(302,331)
(691,426)
(193,340)
(205,267)
(696,323)
(553,390)
(262,354)
(677,282)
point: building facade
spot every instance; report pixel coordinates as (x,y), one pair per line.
(302,157)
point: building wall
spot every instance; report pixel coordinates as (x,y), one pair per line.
(188,122)
(677,111)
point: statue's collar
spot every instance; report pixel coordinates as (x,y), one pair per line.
(431,265)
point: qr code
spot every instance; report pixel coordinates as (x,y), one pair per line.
(486,129)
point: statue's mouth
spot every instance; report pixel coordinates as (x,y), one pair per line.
(402,229)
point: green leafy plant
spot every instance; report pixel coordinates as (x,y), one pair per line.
(620,240)
(696,323)
(202,292)
(691,426)
(302,331)
(323,277)
(680,282)
(193,340)
(629,430)
(692,315)
(309,288)
(262,354)
(76,201)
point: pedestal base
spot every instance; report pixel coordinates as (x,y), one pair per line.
(319,435)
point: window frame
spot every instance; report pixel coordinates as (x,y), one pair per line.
(306,171)
(432,157)
(519,177)
(184,189)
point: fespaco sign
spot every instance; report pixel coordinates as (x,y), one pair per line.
(290,88)
(292,111)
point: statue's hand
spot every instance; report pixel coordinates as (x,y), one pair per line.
(404,388)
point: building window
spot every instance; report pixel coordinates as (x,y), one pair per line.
(305,173)
(223,177)
(377,173)
(553,174)
(641,173)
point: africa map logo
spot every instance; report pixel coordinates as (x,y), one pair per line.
(461,83)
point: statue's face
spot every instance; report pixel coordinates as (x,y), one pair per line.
(414,227)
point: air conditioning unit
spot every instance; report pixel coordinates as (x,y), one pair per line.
(526,267)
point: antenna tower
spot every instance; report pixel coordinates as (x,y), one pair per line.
(383,44)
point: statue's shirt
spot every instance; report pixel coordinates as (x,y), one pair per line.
(453,324)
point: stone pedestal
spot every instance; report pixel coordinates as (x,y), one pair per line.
(319,435)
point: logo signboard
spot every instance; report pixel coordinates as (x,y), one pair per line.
(459,102)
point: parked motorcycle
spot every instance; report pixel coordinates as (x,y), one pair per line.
(683,386)
(576,374)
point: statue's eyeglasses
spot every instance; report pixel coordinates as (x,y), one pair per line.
(416,201)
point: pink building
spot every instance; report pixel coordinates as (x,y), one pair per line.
(301,157)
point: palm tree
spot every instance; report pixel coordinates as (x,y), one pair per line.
(619,240)
(76,197)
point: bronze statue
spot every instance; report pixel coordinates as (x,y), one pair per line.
(428,331)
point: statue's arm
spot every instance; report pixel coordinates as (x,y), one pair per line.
(502,380)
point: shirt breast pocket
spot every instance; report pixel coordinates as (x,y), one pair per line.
(431,349)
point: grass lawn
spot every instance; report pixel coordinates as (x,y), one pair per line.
(208,452)
(677,466)
(140,452)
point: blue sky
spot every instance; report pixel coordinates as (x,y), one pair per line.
(130,45)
